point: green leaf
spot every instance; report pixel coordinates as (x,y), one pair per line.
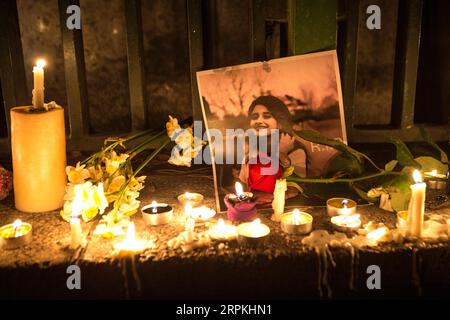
(390,165)
(316,137)
(344,163)
(364,195)
(429,163)
(426,136)
(404,156)
(400,183)
(295,185)
(400,200)
(288,171)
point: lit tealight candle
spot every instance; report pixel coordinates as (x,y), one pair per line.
(296,222)
(435,180)
(157,213)
(195,199)
(240,195)
(130,245)
(252,233)
(340,206)
(346,223)
(223,232)
(15,235)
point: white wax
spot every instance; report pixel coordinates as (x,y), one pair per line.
(75,233)
(279,198)
(417,209)
(38,92)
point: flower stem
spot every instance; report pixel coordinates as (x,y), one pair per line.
(141,166)
(331,180)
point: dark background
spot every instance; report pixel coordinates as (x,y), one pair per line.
(226,28)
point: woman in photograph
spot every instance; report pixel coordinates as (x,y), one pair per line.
(264,114)
(309,159)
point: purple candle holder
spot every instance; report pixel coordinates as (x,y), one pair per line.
(240,210)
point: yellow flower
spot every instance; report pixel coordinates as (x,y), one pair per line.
(88,201)
(185,139)
(77,174)
(113,161)
(181,160)
(96,173)
(172,126)
(116,184)
(137,184)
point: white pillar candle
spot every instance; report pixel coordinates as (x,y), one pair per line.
(417,205)
(75,232)
(279,199)
(38,91)
(39,158)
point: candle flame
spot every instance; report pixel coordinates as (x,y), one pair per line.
(17,224)
(40,63)
(154,205)
(344,203)
(188,195)
(221,223)
(417,176)
(296,217)
(434,173)
(239,189)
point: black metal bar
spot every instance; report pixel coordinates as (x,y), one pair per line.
(195,39)
(210,33)
(291,19)
(407,57)
(257,30)
(12,70)
(136,76)
(74,68)
(348,74)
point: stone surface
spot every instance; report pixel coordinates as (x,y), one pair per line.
(282,268)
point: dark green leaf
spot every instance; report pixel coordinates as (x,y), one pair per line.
(400,200)
(344,163)
(429,163)
(401,183)
(390,165)
(426,136)
(364,195)
(404,156)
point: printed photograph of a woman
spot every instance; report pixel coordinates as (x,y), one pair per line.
(288,94)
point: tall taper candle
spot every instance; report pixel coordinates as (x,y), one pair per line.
(417,205)
(39,158)
(279,199)
(38,91)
